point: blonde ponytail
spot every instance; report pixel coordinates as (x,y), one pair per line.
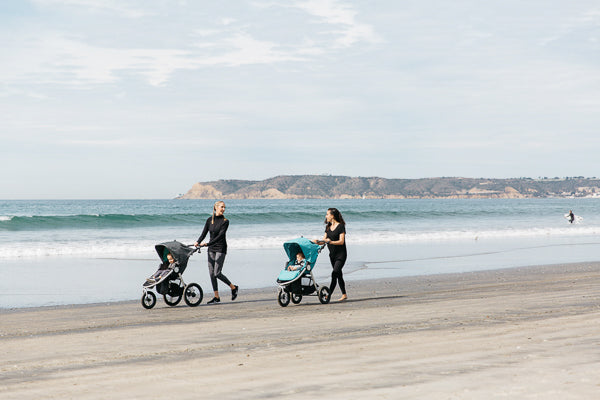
(214,208)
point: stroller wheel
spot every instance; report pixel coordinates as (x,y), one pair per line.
(193,294)
(172,300)
(283,298)
(148,300)
(296,298)
(324,295)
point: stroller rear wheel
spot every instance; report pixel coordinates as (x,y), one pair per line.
(283,298)
(324,295)
(193,294)
(296,298)
(148,300)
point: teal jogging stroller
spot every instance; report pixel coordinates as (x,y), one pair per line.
(297,279)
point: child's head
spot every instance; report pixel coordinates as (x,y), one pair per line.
(299,256)
(170,258)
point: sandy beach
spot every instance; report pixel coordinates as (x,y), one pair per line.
(521,333)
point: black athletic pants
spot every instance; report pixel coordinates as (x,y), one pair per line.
(215,266)
(337,276)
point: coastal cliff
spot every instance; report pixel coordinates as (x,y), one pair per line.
(344,187)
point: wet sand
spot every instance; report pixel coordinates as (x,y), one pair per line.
(517,333)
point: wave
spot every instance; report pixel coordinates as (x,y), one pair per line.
(130,248)
(96,221)
(111,221)
(368,213)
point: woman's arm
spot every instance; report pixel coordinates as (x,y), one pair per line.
(203,235)
(338,242)
(320,241)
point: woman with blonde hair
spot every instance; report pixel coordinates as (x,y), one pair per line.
(217,225)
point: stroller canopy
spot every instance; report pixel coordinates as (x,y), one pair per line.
(308,248)
(180,252)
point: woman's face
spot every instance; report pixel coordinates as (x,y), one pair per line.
(329,217)
(219,209)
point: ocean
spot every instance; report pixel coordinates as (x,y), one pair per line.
(55,252)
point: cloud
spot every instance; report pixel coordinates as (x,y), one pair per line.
(58,58)
(115,7)
(334,13)
(49,55)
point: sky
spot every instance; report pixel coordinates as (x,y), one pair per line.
(143,98)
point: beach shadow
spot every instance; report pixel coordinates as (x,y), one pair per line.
(222,303)
(303,303)
(351,300)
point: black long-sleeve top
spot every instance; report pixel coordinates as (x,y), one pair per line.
(218,230)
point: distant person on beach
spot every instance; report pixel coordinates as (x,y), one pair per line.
(335,238)
(571,216)
(217,225)
(299,263)
(163,269)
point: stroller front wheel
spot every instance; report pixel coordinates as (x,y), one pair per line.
(193,294)
(296,298)
(148,300)
(172,300)
(283,298)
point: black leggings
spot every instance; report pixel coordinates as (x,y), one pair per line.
(337,276)
(215,265)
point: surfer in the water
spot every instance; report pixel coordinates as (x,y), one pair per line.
(571,216)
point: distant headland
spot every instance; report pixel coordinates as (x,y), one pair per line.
(345,187)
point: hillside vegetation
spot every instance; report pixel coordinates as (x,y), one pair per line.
(339,187)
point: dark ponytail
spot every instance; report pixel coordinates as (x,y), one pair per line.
(337,215)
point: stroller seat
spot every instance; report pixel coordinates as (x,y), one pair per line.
(286,275)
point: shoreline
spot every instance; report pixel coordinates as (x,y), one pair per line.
(523,332)
(55,282)
(257,291)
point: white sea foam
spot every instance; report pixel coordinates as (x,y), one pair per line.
(130,248)
(460,235)
(5,218)
(77,249)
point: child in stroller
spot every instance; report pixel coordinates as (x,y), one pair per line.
(163,270)
(297,279)
(300,262)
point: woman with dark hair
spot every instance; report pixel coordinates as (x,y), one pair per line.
(335,238)
(217,249)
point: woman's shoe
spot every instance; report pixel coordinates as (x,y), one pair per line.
(214,300)
(234,293)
